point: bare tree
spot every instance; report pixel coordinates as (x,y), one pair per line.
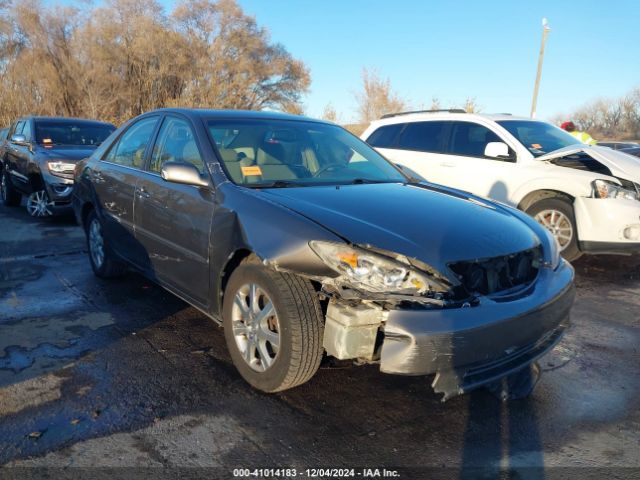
(330,113)
(377,98)
(127,56)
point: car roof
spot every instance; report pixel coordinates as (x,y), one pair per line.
(444,115)
(238,114)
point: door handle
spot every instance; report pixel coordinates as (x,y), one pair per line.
(447,164)
(143,193)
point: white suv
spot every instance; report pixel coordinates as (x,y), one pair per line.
(587,196)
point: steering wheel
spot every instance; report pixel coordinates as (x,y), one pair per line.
(326,168)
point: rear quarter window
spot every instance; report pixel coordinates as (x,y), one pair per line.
(384,137)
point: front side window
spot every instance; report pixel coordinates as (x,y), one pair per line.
(424,136)
(129,151)
(470,139)
(538,137)
(71,132)
(26,131)
(263,152)
(176,143)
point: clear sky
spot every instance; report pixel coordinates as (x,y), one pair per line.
(454,49)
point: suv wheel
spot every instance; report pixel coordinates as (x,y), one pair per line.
(38,204)
(556,215)
(102,261)
(10,198)
(273,326)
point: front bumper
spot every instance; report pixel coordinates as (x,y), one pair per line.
(608,225)
(60,191)
(470,347)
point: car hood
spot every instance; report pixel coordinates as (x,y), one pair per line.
(621,164)
(433,224)
(70,153)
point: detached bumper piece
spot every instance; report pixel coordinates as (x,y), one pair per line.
(457,382)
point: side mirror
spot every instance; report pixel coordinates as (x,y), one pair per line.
(19,139)
(497,150)
(183,173)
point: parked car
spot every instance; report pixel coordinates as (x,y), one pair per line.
(301,239)
(586,196)
(3,143)
(619,145)
(635,151)
(40,157)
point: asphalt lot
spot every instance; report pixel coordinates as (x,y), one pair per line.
(122,373)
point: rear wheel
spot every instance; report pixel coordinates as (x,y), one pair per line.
(556,215)
(39,205)
(273,326)
(102,261)
(10,198)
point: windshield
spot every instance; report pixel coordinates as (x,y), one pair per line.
(72,133)
(293,153)
(538,137)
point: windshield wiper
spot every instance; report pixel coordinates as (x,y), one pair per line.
(277,184)
(357,181)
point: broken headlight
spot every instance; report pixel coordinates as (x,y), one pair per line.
(376,273)
(607,189)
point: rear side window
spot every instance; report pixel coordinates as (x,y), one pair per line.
(384,137)
(129,151)
(424,136)
(176,143)
(470,139)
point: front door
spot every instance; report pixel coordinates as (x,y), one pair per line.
(173,221)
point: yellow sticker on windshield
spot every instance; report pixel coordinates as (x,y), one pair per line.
(536,146)
(253,170)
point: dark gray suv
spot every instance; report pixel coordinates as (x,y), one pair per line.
(39,157)
(305,242)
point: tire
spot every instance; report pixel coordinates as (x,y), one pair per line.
(10,197)
(104,265)
(556,215)
(39,205)
(296,320)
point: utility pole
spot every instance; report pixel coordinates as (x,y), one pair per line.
(545,32)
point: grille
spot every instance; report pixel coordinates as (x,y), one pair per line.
(499,274)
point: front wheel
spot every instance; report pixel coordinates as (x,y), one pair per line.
(273,327)
(39,205)
(556,215)
(10,198)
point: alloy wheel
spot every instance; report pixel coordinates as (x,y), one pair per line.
(558,224)
(255,327)
(38,204)
(96,243)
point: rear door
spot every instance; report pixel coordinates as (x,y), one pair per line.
(114,179)
(173,221)
(470,170)
(419,146)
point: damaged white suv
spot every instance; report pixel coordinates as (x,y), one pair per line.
(587,196)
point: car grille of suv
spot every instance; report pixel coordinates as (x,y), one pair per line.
(499,274)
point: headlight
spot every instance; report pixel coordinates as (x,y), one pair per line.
(58,167)
(552,260)
(607,189)
(375,273)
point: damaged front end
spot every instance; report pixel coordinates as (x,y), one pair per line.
(484,320)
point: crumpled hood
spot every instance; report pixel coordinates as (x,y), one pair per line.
(431,223)
(621,164)
(64,152)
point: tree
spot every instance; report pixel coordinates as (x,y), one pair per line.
(377,98)
(126,57)
(330,113)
